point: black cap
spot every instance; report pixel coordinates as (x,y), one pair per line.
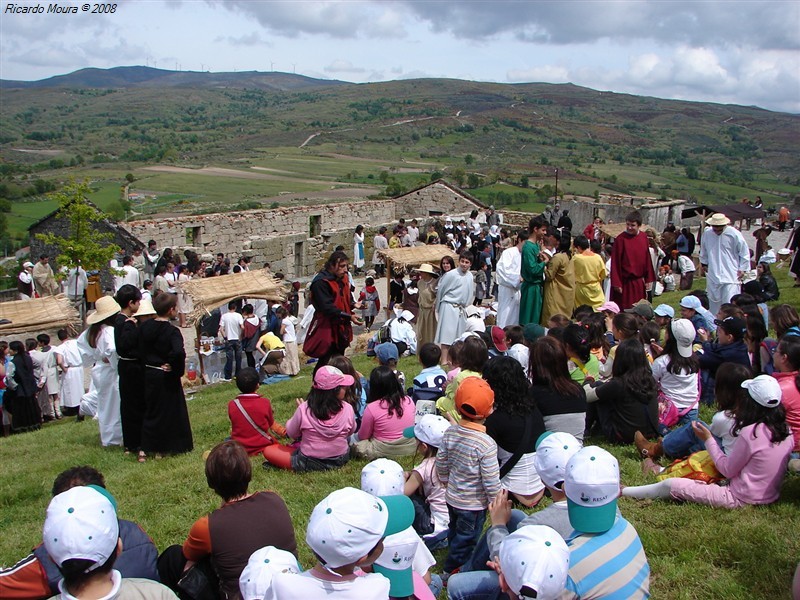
(732,326)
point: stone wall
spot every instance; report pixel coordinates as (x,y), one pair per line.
(438,198)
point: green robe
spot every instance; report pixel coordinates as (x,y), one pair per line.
(530,306)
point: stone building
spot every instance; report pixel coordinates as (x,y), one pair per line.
(297,240)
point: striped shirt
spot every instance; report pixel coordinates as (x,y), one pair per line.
(467,464)
(607,565)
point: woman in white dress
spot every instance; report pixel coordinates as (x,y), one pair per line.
(185,304)
(97,342)
(358,249)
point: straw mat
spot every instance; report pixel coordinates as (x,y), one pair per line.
(210,292)
(38,315)
(416,255)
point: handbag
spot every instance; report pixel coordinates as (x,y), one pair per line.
(200,582)
(319,338)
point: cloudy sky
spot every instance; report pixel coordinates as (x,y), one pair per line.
(741,52)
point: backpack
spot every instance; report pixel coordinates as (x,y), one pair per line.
(381,336)
(698,466)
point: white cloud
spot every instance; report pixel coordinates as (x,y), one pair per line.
(343,66)
(545,73)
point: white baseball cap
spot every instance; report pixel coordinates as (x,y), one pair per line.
(81,523)
(349,523)
(255,582)
(382,477)
(664,310)
(591,485)
(765,390)
(396,562)
(429,430)
(535,558)
(684,333)
(553,451)
(407,315)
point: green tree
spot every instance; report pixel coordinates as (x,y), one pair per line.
(458,176)
(474,180)
(85,244)
(524,181)
(129,177)
(469,159)
(436,176)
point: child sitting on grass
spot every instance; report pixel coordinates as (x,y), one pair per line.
(472,357)
(467,465)
(322,422)
(429,383)
(423,485)
(346,533)
(755,467)
(251,415)
(389,412)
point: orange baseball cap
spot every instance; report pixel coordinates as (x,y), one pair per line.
(474,398)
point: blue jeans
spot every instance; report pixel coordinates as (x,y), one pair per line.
(475,585)
(233,357)
(465,529)
(480,556)
(681,442)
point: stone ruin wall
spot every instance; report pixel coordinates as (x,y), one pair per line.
(282,236)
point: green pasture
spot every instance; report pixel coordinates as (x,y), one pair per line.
(695,552)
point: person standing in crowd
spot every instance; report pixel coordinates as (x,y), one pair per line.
(725,258)
(631,266)
(71,374)
(166,427)
(231,327)
(783,218)
(509,281)
(20,395)
(43,278)
(426,319)
(379,243)
(98,343)
(25,281)
(559,283)
(138,264)
(151,258)
(126,340)
(793,244)
(333,306)
(455,292)
(590,272)
(534,262)
(358,249)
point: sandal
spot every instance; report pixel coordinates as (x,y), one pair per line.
(142,458)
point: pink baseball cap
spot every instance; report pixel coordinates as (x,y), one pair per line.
(610,306)
(330,378)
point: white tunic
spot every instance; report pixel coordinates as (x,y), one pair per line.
(106,384)
(509,282)
(72,377)
(455,292)
(725,254)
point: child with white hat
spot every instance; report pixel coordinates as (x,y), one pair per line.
(606,555)
(81,535)
(255,582)
(346,533)
(404,553)
(756,465)
(423,485)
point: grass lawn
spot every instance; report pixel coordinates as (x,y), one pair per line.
(694,551)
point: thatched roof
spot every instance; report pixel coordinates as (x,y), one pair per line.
(210,292)
(38,315)
(416,255)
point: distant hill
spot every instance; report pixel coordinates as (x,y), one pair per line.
(136,77)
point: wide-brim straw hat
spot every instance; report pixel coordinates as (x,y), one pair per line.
(427,268)
(105,307)
(145,308)
(718,220)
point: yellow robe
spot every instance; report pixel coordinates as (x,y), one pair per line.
(559,287)
(590,272)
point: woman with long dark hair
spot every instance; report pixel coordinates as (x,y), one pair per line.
(560,399)
(21,390)
(787,372)
(388,413)
(677,370)
(628,402)
(515,425)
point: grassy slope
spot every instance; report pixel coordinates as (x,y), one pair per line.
(694,551)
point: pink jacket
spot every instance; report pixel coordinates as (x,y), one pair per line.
(378,424)
(322,439)
(755,466)
(791,403)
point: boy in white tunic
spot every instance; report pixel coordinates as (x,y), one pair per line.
(725,257)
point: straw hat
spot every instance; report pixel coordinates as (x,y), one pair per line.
(105,307)
(427,268)
(718,220)
(145,308)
